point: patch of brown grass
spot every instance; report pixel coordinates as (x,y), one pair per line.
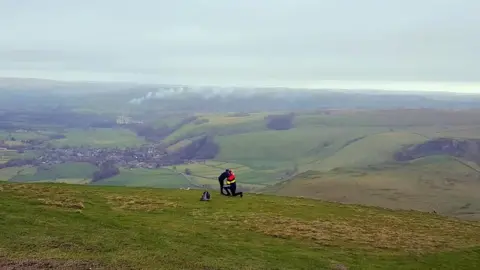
(137,203)
(377,232)
(47,195)
(34,190)
(26,264)
(63,203)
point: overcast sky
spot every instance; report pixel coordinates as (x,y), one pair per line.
(281,42)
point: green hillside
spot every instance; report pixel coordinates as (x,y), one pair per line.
(71,170)
(100,137)
(84,227)
(443,184)
(146,178)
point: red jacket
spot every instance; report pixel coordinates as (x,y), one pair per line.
(231,178)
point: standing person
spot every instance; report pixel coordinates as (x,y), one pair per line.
(232,185)
(221,178)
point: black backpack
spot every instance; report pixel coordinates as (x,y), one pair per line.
(205,196)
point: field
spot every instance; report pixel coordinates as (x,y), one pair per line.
(439,183)
(59,172)
(100,137)
(6,155)
(147,178)
(219,124)
(8,173)
(22,135)
(71,226)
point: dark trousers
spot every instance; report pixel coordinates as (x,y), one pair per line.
(233,189)
(223,188)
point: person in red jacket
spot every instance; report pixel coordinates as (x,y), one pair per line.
(232,184)
(221,180)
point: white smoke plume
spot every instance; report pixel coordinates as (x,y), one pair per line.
(205,92)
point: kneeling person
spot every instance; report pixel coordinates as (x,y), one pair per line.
(232,185)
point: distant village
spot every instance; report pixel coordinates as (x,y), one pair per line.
(148,156)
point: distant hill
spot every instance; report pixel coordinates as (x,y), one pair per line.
(444,184)
(215,99)
(82,227)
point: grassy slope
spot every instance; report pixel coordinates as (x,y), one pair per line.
(207,174)
(220,125)
(373,149)
(8,173)
(147,178)
(71,170)
(27,135)
(318,142)
(6,155)
(119,228)
(436,183)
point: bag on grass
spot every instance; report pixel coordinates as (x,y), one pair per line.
(205,196)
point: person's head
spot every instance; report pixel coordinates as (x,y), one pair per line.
(229,171)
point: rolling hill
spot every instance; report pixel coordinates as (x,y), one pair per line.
(443,184)
(59,226)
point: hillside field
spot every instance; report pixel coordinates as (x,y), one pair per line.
(100,137)
(443,184)
(74,226)
(147,178)
(72,170)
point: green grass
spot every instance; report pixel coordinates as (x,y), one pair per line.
(22,135)
(10,172)
(75,170)
(6,155)
(220,125)
(370,150)
(100,137)
(147,178)
(343,139)
(125,228)
(395,118)
(277,149)
(179,145)
(208,173)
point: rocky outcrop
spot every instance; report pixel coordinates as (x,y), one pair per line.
(462,148)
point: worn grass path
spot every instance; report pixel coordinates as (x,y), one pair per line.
(82,227)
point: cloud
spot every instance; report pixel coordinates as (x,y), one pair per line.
(230,42)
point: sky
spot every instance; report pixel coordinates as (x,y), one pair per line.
(395,44)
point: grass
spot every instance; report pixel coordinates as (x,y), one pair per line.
(71,170)
(207,173)
(147,178)
(22,135)
(342,139)
(438,183)
(125,228)
(369,150)
(100,137)
(179,145)
(6,155)
(277,149)
(10,172)
(219,125)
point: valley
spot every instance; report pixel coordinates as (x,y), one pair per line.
(417,158)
